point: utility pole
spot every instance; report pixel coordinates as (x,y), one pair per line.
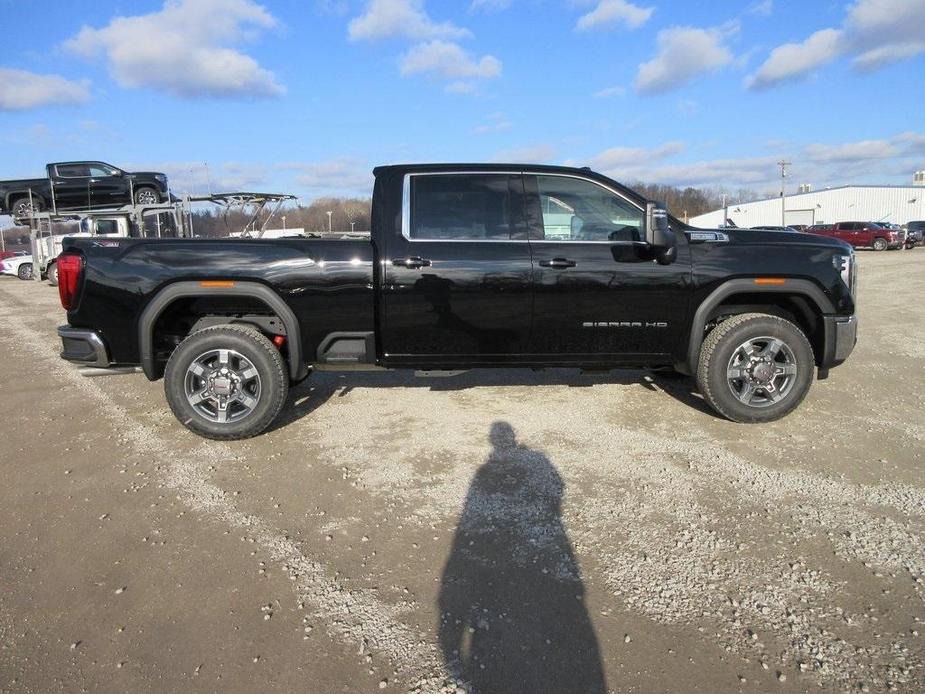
(783,164)
(725,211)
(329,220)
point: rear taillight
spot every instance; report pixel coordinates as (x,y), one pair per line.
(70,266)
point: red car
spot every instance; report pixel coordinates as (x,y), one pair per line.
(860,234)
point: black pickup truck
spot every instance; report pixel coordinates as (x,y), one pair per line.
(81,185)
(467,266)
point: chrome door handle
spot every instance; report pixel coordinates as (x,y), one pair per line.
(558,263)
(412,263)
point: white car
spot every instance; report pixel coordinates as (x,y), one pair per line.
(19,266)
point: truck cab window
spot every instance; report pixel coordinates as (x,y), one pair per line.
(460,207)
(574,209)
(101,170)
(73,170)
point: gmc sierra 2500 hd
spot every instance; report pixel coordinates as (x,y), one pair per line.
(469,265)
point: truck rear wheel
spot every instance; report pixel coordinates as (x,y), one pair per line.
(52,274)
(226,382)
(22,208)
(755,368)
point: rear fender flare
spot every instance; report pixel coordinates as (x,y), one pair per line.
(182,290)
(804,288)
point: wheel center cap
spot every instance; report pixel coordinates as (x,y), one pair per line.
(222,386)
(763,372)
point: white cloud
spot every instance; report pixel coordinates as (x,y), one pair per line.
(911,142)
(21,90)
(884,55)
(793,61)
(386,18)
(762,8)
(885,31)
(615,12)
(343,175)
(494,123)
(683,54)
(870,161)
(618,157)
(867,150)
(887,21)
(875,32)
(608,92)
(183,49)
(448,61)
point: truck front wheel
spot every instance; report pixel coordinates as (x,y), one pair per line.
(52,274)
(755,368)
(147,196)
(226,382)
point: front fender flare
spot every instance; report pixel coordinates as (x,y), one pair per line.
(180,290)
(799,287)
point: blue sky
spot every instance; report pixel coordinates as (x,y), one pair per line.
(306,96)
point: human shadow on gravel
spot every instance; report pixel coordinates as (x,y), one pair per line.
(512,614)
(320,387)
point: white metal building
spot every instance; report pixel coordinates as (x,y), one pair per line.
(896,204)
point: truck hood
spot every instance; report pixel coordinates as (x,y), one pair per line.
(746,237)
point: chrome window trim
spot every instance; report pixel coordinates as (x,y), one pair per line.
(406,207)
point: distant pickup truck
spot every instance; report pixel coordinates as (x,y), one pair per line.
(473,265)
(861,234)
(81,185)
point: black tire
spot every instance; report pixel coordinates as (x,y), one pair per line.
(21,209)
(880,244)
(146,196)
(52,274)
(24,272)
(723,345)
(246,342)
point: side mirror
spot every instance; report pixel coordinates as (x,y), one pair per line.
(659,235)
(575,225)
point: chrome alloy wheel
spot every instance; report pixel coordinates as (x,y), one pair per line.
(222,385)
(761,371)
(146,197)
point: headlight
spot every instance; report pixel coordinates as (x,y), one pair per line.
(848,269)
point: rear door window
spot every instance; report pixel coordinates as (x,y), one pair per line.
(462,207)
(72,170)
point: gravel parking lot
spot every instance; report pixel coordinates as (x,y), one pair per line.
(500,531)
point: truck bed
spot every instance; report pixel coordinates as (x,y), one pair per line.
(324,282)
